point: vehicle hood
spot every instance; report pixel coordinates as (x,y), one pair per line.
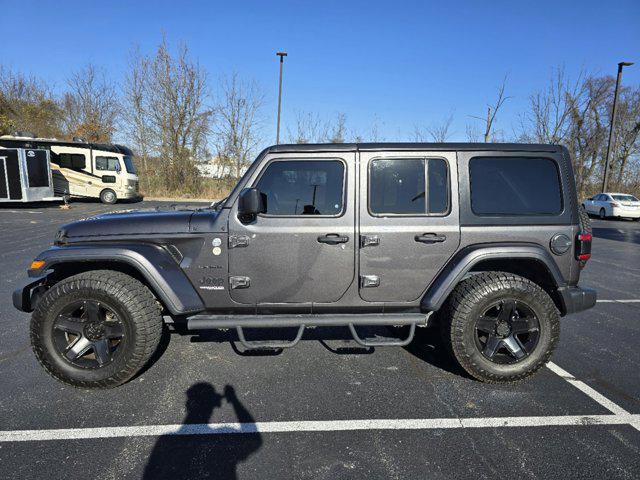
(131,222)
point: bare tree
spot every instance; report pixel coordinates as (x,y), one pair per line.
(492,111)
(472,133)
(237,129)
(577,114)
(169,119)
(91,105)
(337,132)
(27,103)
(439,133)
(549,117)
(309,129)
(626,143)
(374,132)
(137,125)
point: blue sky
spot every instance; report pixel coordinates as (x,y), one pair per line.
(397,63)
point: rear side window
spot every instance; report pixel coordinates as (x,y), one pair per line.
(309,187)
(75,161)
(409,186)
(514,186)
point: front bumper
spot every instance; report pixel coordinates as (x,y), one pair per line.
(26,296)
(577,299)
(130,195)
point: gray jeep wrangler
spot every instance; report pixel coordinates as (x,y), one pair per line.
(486,240)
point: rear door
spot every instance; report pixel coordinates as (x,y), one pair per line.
(302,250)
(408,222)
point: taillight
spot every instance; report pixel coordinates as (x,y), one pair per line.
(614,204)
(583,246)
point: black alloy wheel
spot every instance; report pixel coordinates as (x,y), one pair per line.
(507,332)
(88,334)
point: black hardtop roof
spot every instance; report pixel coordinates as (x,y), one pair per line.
(411,146)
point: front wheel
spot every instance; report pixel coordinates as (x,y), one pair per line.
(108,196)
(500,327)
(96,329)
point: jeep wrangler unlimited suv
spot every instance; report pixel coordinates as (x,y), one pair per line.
(485,239)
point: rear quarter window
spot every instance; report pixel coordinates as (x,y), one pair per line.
(515,186)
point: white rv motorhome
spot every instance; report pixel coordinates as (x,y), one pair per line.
(81,169)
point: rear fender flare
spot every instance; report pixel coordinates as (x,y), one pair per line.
(462,263)
(163,275)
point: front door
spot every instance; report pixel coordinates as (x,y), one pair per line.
(302,250)
(409,224)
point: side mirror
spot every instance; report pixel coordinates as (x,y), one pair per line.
(251,202)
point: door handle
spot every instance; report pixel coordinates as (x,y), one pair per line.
(333,239)
(430,238)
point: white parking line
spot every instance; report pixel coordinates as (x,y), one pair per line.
(313,426)
(628,300)
(587,390)
(619,417)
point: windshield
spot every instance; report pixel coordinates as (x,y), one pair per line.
(625,198)
(128,163)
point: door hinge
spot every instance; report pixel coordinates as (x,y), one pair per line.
(369,281)
(239,282)
(369,240)
(238,241)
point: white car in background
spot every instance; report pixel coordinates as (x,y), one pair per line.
(606,205)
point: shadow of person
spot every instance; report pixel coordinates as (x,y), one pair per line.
(198,450)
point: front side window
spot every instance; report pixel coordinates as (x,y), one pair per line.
(409,186)
(108,164)
(514,186)
(309,187)
(129,165)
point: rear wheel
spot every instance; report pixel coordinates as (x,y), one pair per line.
(603,214)
(96,329)
(500,327)
(108,196)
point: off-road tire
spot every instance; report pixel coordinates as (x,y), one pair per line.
(585,221)
(137,308)
(108,196)
(466,303)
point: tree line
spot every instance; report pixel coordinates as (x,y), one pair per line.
(174,117)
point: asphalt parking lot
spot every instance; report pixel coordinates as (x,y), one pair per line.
(323,410)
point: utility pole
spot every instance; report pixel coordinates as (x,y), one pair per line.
(281,55)
(605,180)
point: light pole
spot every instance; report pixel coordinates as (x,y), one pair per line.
(605,180)
(281,55)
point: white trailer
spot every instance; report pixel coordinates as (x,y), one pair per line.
(25,176)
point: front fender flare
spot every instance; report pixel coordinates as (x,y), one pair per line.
(464,261)
(163,275)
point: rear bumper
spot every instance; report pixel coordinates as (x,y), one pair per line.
(577,299)
(26,296)
(625,213)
